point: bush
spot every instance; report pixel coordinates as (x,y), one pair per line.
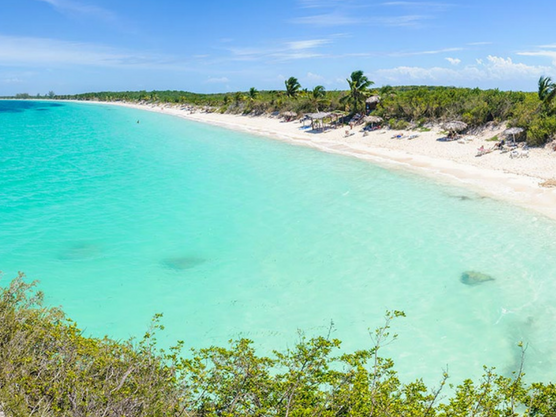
(398,124)
(48,368)
(542,129)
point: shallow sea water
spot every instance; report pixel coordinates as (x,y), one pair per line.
(230,235)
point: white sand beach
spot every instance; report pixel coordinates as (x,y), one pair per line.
(497,175)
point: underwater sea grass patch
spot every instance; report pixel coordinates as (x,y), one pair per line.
(48,367)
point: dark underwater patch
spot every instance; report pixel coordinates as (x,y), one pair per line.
(182,263)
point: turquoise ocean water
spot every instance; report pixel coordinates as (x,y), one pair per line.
(230,235)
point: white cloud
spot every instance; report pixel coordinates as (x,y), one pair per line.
(542,53)
(16,51)
(314,77)
(403,21)
(501,68)
(479,43)
(429,52)
(318,4)
(453,61)
(73,7)
(416,4)
(289,56)
(12,81)
(287,51)
(492,69)
(308,44)
(217,80)
(327,20)
(341,19)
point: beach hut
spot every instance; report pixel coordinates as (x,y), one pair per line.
(513,132)
(318,119)
(289,115)
(454,127)
(339,116)
(371,103)
(372,119)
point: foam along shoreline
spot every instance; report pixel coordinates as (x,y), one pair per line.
(495,175)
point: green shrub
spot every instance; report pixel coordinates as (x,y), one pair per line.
(398,124)
(541,130)
(399,105)
(49,368)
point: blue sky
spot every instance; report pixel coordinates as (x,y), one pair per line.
(74,46)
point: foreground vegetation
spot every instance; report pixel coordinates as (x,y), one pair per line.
(401,107)
(49,368)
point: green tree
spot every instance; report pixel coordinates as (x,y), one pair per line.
(49,368)
(317,97)
(358,91)
(546,91)
(292,87)
(253,93)
(238,98)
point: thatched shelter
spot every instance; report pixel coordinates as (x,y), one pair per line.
(371,103)
(455,126)
(318,120)
(513,132)
(372,119)
(289,115)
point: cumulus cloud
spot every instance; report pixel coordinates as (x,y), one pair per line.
(492,68)
(454,61)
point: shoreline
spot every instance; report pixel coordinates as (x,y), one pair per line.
(495,175)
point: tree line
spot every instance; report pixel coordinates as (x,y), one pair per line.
(400,107)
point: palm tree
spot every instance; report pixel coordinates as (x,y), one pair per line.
(253,93)
(358,86)
(547,91)
(292,87)
(317,97)
(238,98)
(318,92)
(387,91)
